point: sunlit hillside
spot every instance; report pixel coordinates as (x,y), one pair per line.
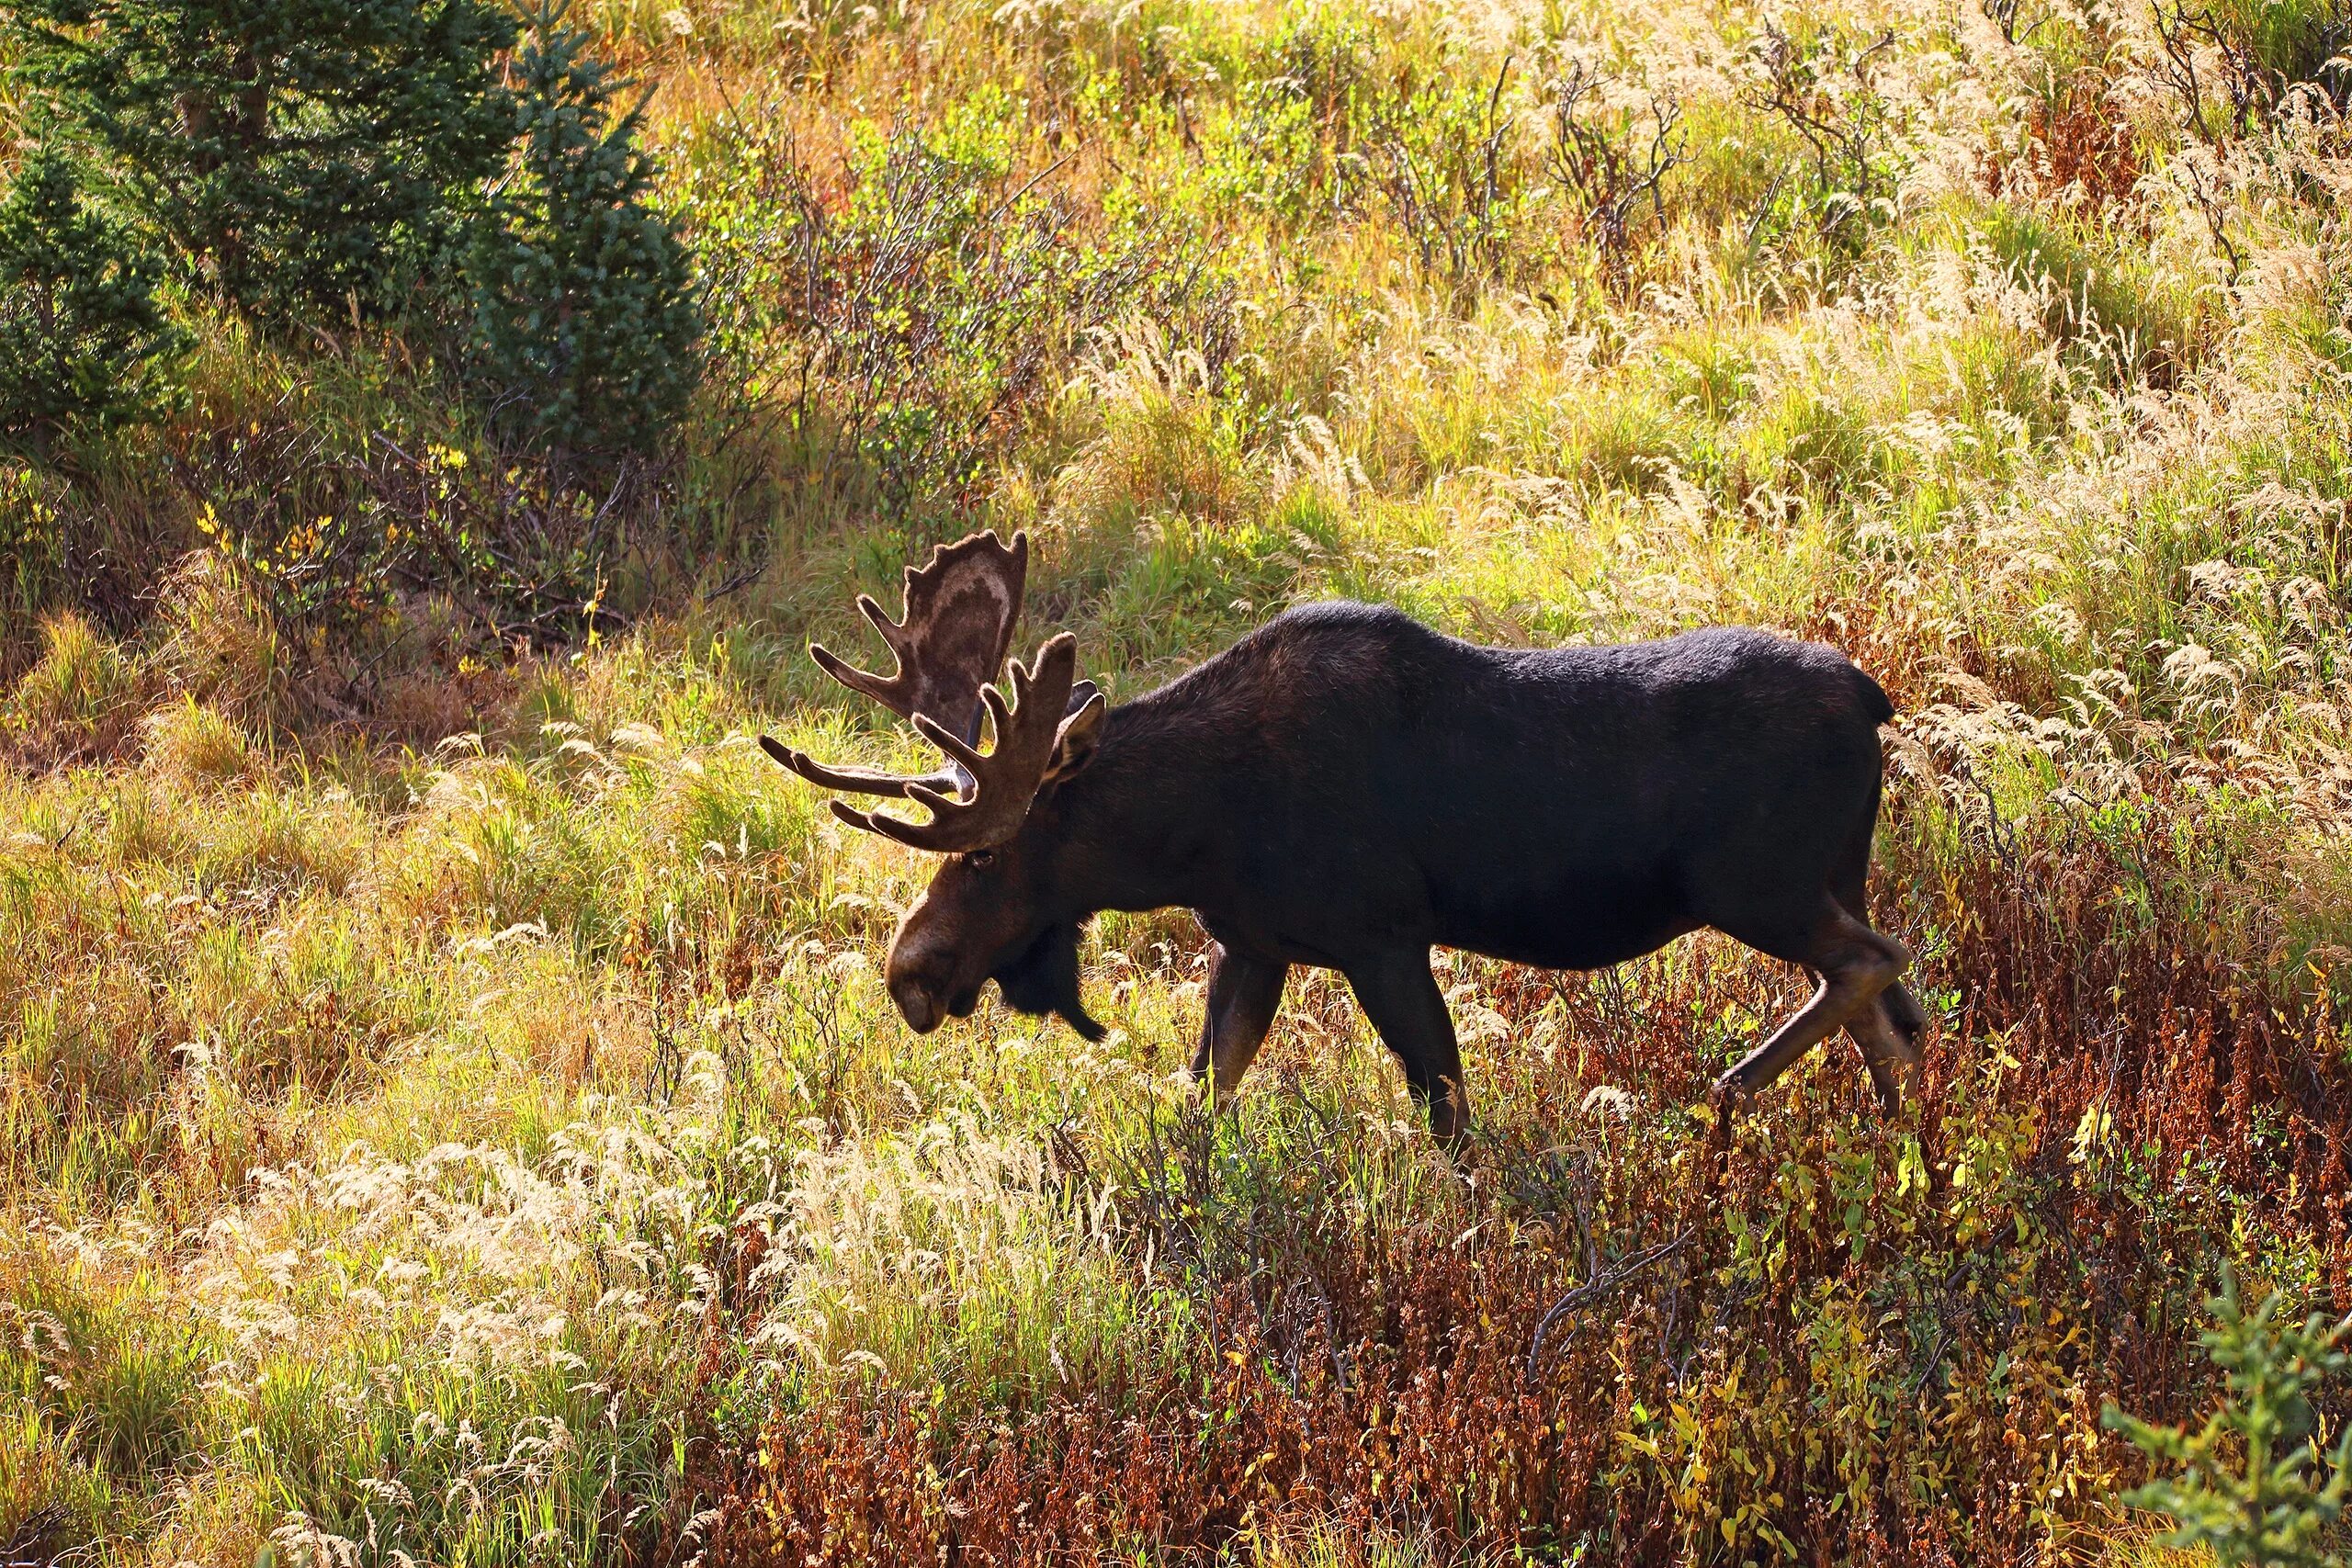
(449,1110)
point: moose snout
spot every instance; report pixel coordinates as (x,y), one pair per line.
(915,982)
(925,1004)
(925,978)
(917,1005)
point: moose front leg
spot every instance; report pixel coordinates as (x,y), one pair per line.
(1399,996)
(1244,990)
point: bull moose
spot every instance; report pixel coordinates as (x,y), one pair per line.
(1346,788)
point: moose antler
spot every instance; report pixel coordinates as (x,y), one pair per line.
(1005,781)
(950,639)
(952,636)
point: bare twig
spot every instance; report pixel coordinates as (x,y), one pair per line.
(1598,161)
(1842,128)
(1599,1288)
(2003,14)
(1446,189)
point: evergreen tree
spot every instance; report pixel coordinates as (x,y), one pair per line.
(2251,1485)
(300,153)
(587,325)
(82,339)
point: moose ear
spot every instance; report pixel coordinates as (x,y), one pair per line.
(1075,741)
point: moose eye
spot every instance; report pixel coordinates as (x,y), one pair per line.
(981,859)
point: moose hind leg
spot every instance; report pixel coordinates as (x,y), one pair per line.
(1400,997)
(1887,1051)
(1856,964)
(1244,991)
(1903,1010)
(1888,1030)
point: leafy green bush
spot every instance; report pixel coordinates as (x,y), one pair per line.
(298,154)
(587,324)
(82,339)
(2245,1487)
(479,206)
(1291,146)
(1441,155)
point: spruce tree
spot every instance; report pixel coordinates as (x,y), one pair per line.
(83,342)
(587,324)
(2252,1485)
(298,154)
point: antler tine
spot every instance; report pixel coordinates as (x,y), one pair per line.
(1000,719)
(871,608)
(889,692)
(894,691)
(1005,781)
(859,781)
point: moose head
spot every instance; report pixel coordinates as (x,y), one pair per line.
(989,912)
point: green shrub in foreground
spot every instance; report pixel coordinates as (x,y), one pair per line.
(2245,1488)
